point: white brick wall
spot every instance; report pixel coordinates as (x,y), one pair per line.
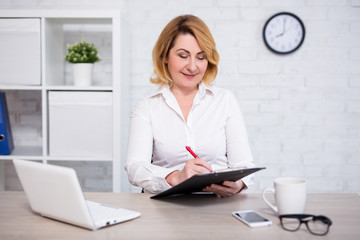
(302,111)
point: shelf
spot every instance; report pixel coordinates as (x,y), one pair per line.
(85,158)
(62,14)
(79,88)
(65,88)
(24,152)
(20,87)
(57,28)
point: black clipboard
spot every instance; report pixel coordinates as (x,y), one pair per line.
(197,182)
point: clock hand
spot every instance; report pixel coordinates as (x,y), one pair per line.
(284,29)
(284,25)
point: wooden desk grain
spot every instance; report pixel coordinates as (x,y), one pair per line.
(182,217)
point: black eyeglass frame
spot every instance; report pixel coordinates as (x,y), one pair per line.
(300,217)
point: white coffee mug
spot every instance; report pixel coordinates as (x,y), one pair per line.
(290,195)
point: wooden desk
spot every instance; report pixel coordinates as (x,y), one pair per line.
(190,217)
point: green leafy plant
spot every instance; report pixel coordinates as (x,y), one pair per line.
(82,52)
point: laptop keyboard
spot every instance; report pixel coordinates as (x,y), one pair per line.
(101,213)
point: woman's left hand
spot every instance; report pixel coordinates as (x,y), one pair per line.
(227,189)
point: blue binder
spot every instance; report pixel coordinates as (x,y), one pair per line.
(6,140)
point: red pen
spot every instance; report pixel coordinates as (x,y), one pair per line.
(191,151)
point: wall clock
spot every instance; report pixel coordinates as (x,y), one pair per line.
(284,33)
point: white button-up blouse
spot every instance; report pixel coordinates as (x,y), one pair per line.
(215,130)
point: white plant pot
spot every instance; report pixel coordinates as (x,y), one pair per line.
(82,73)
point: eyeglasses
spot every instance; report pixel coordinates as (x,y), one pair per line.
(317,225)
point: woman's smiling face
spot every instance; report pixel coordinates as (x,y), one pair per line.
(186,62)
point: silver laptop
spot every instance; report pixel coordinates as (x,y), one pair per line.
(55,192)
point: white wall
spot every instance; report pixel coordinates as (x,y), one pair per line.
(302,110)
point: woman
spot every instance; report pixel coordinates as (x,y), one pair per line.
(186,111)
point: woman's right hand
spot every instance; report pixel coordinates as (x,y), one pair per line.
(192,167)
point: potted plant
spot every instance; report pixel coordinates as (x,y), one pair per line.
(82,55)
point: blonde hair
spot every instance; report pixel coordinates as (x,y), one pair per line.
(182,25)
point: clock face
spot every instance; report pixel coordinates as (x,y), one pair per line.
(284,33)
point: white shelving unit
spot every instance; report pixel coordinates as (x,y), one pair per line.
(52,25)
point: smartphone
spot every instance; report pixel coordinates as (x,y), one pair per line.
(251,218)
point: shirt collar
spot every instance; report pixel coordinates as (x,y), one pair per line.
(203,90)
(165,91)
